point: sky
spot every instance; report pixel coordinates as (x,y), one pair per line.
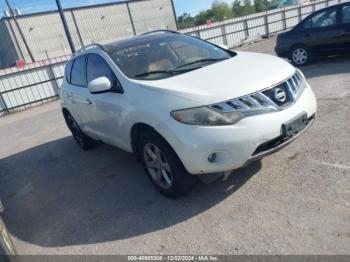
(29,6)
(193,6)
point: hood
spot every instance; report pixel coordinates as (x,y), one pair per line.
(243,74)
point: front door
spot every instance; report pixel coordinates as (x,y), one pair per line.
(107,107)
(321,31)
(344,37)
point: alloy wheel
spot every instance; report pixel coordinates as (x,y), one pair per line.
(300,56)
(157,166)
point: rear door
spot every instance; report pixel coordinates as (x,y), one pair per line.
(321,31)
(344,37)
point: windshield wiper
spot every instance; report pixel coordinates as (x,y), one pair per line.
(170,71)
(155,72)
(202,61)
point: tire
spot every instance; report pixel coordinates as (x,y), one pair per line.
(164,167)
(300,55)
(83,141)
(7,251)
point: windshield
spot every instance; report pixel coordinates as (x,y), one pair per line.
(162,56)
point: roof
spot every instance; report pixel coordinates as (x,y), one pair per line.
(149,36)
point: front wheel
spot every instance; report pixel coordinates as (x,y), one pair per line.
(163,166)
(300,56)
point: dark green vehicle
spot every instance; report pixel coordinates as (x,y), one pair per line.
(7,250)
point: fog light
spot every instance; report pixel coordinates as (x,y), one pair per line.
(212,157)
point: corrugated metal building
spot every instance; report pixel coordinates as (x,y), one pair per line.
(45,35)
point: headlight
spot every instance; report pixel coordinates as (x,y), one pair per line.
(301,76)
(206,116)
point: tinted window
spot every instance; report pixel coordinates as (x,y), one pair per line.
(346,14)
(323,19)
(97,67)
(78,75)
(68,70)
(161,56)
(185,51)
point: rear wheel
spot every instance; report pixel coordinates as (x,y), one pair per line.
(163,166)
(300,55)
(83,141)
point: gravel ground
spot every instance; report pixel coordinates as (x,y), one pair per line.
(61,200)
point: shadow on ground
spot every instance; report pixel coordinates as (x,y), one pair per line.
(327,66)
(57,195)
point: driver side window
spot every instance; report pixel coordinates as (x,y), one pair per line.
(346,14)
(97,67)
(323,19)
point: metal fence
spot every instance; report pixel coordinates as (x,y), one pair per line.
(233,32)
(35,84)
(39,82)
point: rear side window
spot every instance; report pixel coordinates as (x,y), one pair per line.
(322,19)
(68,70)
(346,14)
(78,74)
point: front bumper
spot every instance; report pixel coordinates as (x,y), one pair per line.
(234,145)
(277,144)
(281,52)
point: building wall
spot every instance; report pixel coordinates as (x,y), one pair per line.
(45,35)
(8,52)
(103,24)
(152,15)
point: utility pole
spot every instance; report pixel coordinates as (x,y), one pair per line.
(65,26)
(174,13)
(20,30)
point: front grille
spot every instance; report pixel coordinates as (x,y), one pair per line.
(283,89)
(275,98)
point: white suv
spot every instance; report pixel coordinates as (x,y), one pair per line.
(184,106)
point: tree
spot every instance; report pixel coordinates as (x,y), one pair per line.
(248,8)
(185,21)
(261,5)
(237,8)
(202,17)
(221,10)
(242,10)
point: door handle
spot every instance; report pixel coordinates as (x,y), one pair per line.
(67,95)
(307,35)
(88,101)
(346,32)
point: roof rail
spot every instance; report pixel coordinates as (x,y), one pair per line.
(160,31)
(83,49)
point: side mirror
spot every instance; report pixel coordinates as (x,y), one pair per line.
(100,85)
